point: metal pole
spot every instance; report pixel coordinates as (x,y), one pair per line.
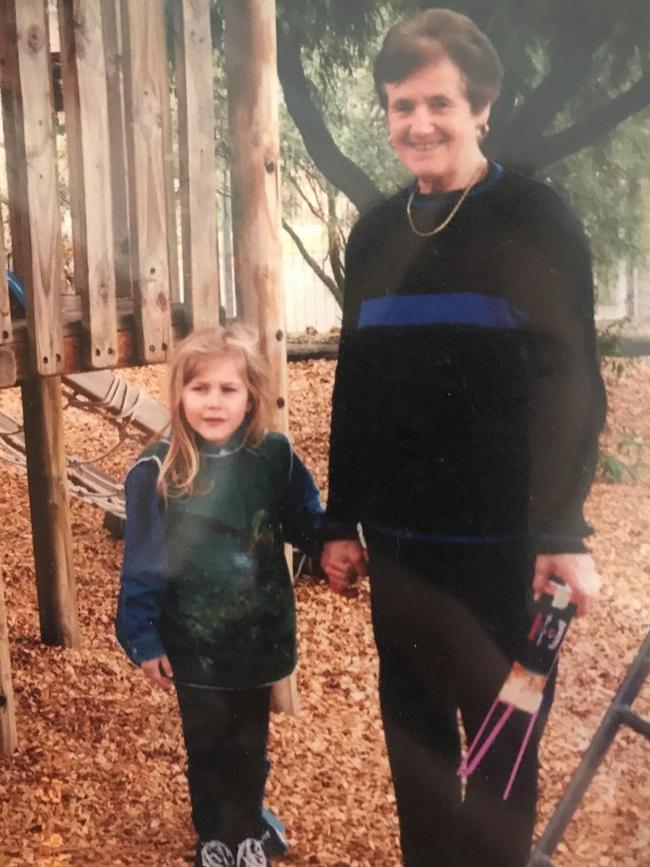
(619,713)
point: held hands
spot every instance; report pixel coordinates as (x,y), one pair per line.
(576,570)
(159,671)
(344,562)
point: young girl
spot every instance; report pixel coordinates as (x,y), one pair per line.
(206,601)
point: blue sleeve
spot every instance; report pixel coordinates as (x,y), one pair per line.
(302,516)
(143,579)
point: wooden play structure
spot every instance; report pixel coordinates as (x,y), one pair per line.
(140,163)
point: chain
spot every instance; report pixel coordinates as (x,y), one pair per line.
(450,216)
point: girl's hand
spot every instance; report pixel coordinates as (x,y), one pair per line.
(159,671)
(576,570)
(344,562)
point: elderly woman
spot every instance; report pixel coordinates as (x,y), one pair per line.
(466,413)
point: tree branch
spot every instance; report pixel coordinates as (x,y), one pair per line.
(549,97)
(334,250)
(344,174)
(574,39)
(313,264)
(314,210)
(571,58)
(587,131)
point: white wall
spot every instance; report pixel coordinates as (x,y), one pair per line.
(308,302)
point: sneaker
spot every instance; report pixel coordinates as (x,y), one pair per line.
(273,837)
(250,853)
(213,853)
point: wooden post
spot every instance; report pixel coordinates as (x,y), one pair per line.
(251,72)
(228,289)
(144,56)
(111,25)
(38,261)
(32,175)
(7,359)
(86,119)
(169,165)
(198,176)
(6,333)
(7,710)
(48,498)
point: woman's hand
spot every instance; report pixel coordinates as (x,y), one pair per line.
(159,671)
(344,561)
(576,570)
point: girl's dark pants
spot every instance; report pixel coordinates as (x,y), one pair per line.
(449,619)
(225,734)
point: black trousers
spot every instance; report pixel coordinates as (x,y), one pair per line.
(226,733)
(449,619)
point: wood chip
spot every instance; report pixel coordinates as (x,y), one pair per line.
(98,777)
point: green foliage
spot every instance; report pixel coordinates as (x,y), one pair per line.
(613,469)
(358,126)
(340,30)
(628,463)
(605,185)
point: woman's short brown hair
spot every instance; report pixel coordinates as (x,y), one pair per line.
(425,38)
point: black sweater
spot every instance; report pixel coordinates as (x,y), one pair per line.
(468,399)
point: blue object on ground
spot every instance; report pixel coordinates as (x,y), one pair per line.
(274,839)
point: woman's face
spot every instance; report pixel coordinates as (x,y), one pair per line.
(433,128)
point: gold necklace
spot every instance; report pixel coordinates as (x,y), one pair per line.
(450,216)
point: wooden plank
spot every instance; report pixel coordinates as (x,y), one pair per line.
(5,310)
(111,25)
(8,367)
(251,72)
(15,167)
(170,175)
(121,399)
(144,52)
(8,738)
(14,356)
(7,359)
(86,120)
(72,354)
(255,148)
(73,361)
(198,176)
(285,697)
(48,498)
(32,174)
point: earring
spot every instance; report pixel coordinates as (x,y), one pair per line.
(482,131)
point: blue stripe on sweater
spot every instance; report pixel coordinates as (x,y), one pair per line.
(459,308)
(415,536)
(487,539)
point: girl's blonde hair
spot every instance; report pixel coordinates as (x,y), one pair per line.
(236,341)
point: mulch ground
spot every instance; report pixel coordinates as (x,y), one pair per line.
(98,776)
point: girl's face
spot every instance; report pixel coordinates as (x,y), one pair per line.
(432,127)
(215,401)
